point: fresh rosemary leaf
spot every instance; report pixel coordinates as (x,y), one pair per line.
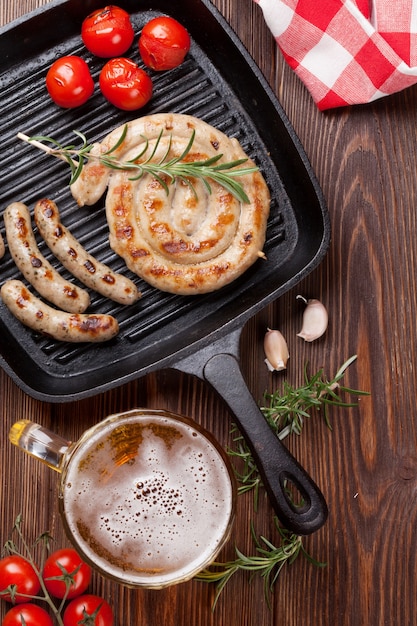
(119,141)
(177,168)
(268,561)
(286,411)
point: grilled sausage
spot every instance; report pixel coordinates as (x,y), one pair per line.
(60,325)
(2,248)
(35,268)
(186,241)
(76,259)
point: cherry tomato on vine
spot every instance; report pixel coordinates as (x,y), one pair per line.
(15,570)
(107,32)
(69,82)
(163,43)
(28,614)
(66,565)
(86,605)
(125,84)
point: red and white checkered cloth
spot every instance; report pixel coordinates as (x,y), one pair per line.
(347,51)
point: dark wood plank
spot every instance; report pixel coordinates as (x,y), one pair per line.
(364,158)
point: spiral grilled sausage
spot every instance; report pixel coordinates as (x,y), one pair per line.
(76,259)
(178,242)
(60,325)
(34,267)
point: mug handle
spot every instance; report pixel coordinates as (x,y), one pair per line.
(39,442)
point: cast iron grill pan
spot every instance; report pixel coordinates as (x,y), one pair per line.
(220,84)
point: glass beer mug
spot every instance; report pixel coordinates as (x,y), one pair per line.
(146,497)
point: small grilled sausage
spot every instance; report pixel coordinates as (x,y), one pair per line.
(60,325)
(76,259)
(35,268)
(2,247)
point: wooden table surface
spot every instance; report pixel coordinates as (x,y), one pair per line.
(364,158)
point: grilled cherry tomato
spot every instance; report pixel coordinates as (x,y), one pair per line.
(69,82)
(163,43)
(15,570)
(107,32)
(125,84)
(78,610)
(28,614)
(64,566)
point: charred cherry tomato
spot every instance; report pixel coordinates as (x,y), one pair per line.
(78,611)
(125,84)
(28,614)
(69,82)
(107,32)
(163,43)
(16,571)
(65,567)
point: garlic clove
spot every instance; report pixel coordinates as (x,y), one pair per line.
(276,351)
(315,321)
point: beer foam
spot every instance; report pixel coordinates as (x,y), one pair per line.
(150,501)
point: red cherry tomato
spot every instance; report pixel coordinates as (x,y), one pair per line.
(69,82)
(163,43)
(15,570)
(125,84)
(66,565)
(87,605)
(107,32)
(28,614)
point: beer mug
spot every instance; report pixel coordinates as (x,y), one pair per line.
(146,497)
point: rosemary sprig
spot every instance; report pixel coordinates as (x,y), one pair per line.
(165,169)
(268,561)
(286,411)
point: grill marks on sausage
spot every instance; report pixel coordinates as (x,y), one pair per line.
(33,265)
(77,260)
(60,325)
(69,322)
(182,243)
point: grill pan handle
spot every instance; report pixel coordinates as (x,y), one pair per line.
(218,364)
(275,463)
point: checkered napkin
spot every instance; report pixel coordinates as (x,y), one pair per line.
(347,51)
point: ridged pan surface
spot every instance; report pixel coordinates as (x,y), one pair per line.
(218,83)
